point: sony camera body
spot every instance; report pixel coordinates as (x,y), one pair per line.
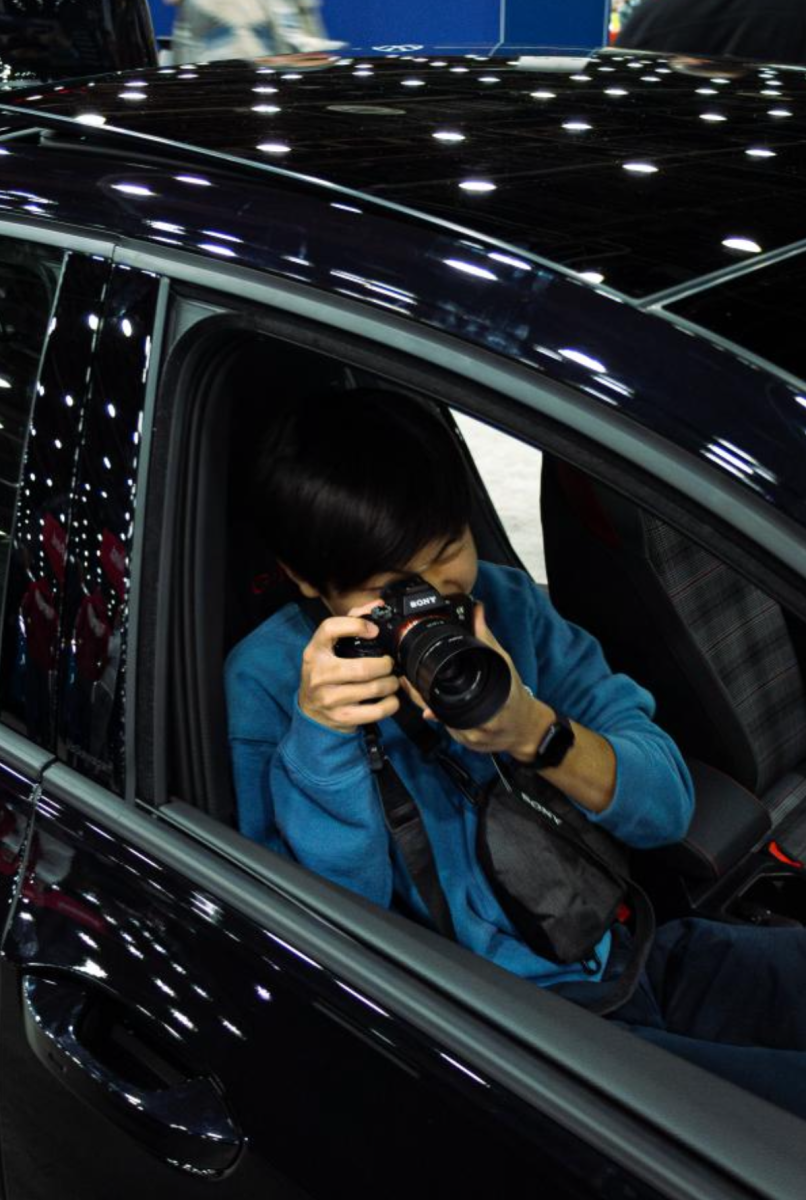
(430,637)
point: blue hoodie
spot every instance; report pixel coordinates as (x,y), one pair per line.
(306,790)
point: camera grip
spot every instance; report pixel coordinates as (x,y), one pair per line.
(356,647)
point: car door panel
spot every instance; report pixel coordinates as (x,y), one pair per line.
(141,988)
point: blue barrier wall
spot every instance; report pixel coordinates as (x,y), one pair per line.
(452,23)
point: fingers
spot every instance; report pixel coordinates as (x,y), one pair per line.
(334,628)
(349,694)
(414,695)
(365,714)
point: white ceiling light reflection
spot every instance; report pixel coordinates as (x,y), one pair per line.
(577,126)
(745,245)
(467,268)
(779,112)
(214,248)
(132,96)
(265,91)
(225,237)
(489,79)
(90,118)
(705,91)
(196,180)
(509,261)
(713,117)
(760,152)
(133,189)
(477,185)
(544,95)
(448,135)
(641,168)
(274,148)
(584,360)
(266,108)
(591,276)
(413,83)
(616,91)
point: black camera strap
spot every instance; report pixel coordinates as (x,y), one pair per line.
(405,824)
(401,814)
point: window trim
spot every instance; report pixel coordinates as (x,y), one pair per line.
(630,457)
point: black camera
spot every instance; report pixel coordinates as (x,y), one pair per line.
(463,681)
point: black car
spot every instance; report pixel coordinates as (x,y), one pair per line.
(605,265)
(56,39)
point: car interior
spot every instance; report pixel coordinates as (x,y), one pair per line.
(722,658)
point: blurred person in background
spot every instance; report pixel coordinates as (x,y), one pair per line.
(205,30)
(770,30)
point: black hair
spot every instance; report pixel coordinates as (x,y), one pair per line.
(351,484)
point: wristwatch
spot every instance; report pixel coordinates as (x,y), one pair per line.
(554,744)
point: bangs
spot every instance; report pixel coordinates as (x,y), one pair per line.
(358,483)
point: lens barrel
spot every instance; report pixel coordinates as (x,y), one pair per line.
(463,681)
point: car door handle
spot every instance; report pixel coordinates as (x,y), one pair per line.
(185,1123)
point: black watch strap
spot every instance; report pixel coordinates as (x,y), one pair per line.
(554,744)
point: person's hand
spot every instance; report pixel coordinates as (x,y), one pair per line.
(515,728)
(343,693)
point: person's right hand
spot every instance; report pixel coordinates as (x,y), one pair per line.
(333,690)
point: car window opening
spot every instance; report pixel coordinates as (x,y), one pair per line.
(628,578)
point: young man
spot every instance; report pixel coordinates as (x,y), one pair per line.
(358,490)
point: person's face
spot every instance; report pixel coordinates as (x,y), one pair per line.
(449,566)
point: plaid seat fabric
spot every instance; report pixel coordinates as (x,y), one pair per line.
(743,638)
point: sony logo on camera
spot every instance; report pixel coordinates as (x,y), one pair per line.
(421,602)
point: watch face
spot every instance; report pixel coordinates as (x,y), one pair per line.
(557,741)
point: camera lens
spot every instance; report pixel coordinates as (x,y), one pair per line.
(464,682)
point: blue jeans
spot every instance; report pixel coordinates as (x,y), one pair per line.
(730,998)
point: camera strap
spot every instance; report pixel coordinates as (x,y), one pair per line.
(405,825)
(401,814)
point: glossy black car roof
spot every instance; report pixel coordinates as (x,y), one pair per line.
(604,205)
(630,168)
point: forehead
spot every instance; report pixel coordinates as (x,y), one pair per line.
(419,562)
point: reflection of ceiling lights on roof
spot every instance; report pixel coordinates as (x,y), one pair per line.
(744,244)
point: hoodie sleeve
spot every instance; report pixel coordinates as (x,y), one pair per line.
(653,799)
(303,789)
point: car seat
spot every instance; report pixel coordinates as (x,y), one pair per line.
(717,653)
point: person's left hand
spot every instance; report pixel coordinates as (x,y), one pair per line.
(516,728)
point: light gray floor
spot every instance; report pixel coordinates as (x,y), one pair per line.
(511,472)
